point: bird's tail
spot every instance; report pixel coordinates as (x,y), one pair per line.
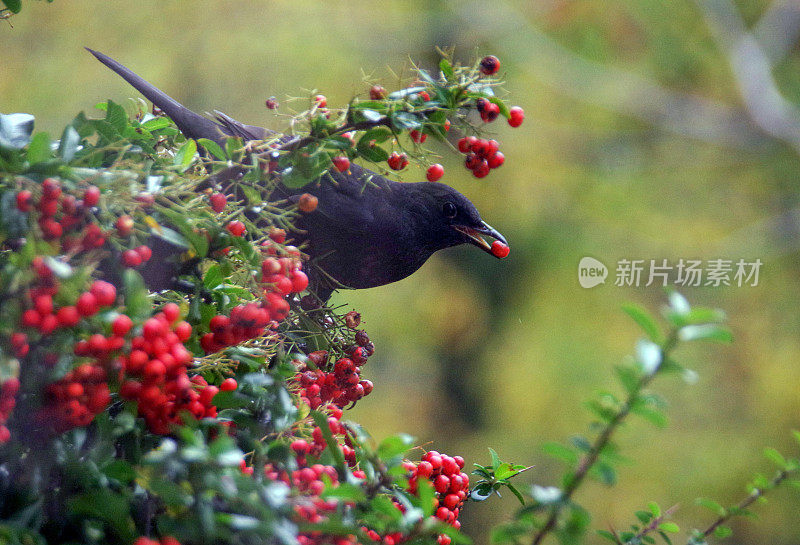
(191,124)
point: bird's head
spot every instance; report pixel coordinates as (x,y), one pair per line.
(450,218)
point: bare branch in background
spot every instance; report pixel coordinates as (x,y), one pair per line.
(753,72)
(778,29)
(619,90)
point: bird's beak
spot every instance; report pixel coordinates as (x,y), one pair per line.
(474,235)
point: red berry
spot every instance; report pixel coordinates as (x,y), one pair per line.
(106,293)
(24,200)
(516,116)
(418,137)
(43,304)
(183,330)
(68,316)
(271,103)
(277,235)
(446,125)
(496,160)
(144,252)
(236,228)
(5,435)
(489,65)
(171,312)
(490,112)
(435,172)
(131,258)
(341,163)
(92,196)
(121,325)
(397,161)
(86,304)
(218,202)
(51,229)
(51,188)
(228,385)
(307,202)
(499,249)
(377,92)
(482,170)
(124,225)
(299,281)
(321,101)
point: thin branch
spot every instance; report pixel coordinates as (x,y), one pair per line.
(747,502)
(591,457)
(751,67)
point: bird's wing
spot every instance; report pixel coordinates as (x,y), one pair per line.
(243,131)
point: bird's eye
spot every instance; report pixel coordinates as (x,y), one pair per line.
(449,210)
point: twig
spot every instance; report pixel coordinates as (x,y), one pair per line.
(591,457)
(754,495)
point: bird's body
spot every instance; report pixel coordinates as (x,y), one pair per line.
(367,230)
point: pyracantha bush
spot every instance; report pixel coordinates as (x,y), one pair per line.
(206,406)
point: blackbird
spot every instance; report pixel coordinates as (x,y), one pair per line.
(367,230)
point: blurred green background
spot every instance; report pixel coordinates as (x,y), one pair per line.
(654,130)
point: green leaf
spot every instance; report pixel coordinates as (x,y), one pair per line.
(120,470)
(705,332)
(395,445)
(116,116)
(344,492)
(185,155)
(516,493)
(775,457)
(712,506)
(13,5)
(213,148)
(108,506)
(137,301)
(213,277)
(495,459)
(654,509)
(560,452)
(39,148)
(156,123)
(406,120)
(669,526)
(170,235)
(321,420)
(502,105)
(644,320)
(722,531)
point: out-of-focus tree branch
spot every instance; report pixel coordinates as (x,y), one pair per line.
(607,86)
(778,29)
(752,69)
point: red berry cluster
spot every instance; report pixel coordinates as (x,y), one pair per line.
(60,214)
(8,400)
(449,481)
(340,387)
(246,322)
(75,399)
(482,155)
(136,256)
(283,276)
(156,373)
(46,318)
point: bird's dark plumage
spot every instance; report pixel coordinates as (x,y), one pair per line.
(367,230)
